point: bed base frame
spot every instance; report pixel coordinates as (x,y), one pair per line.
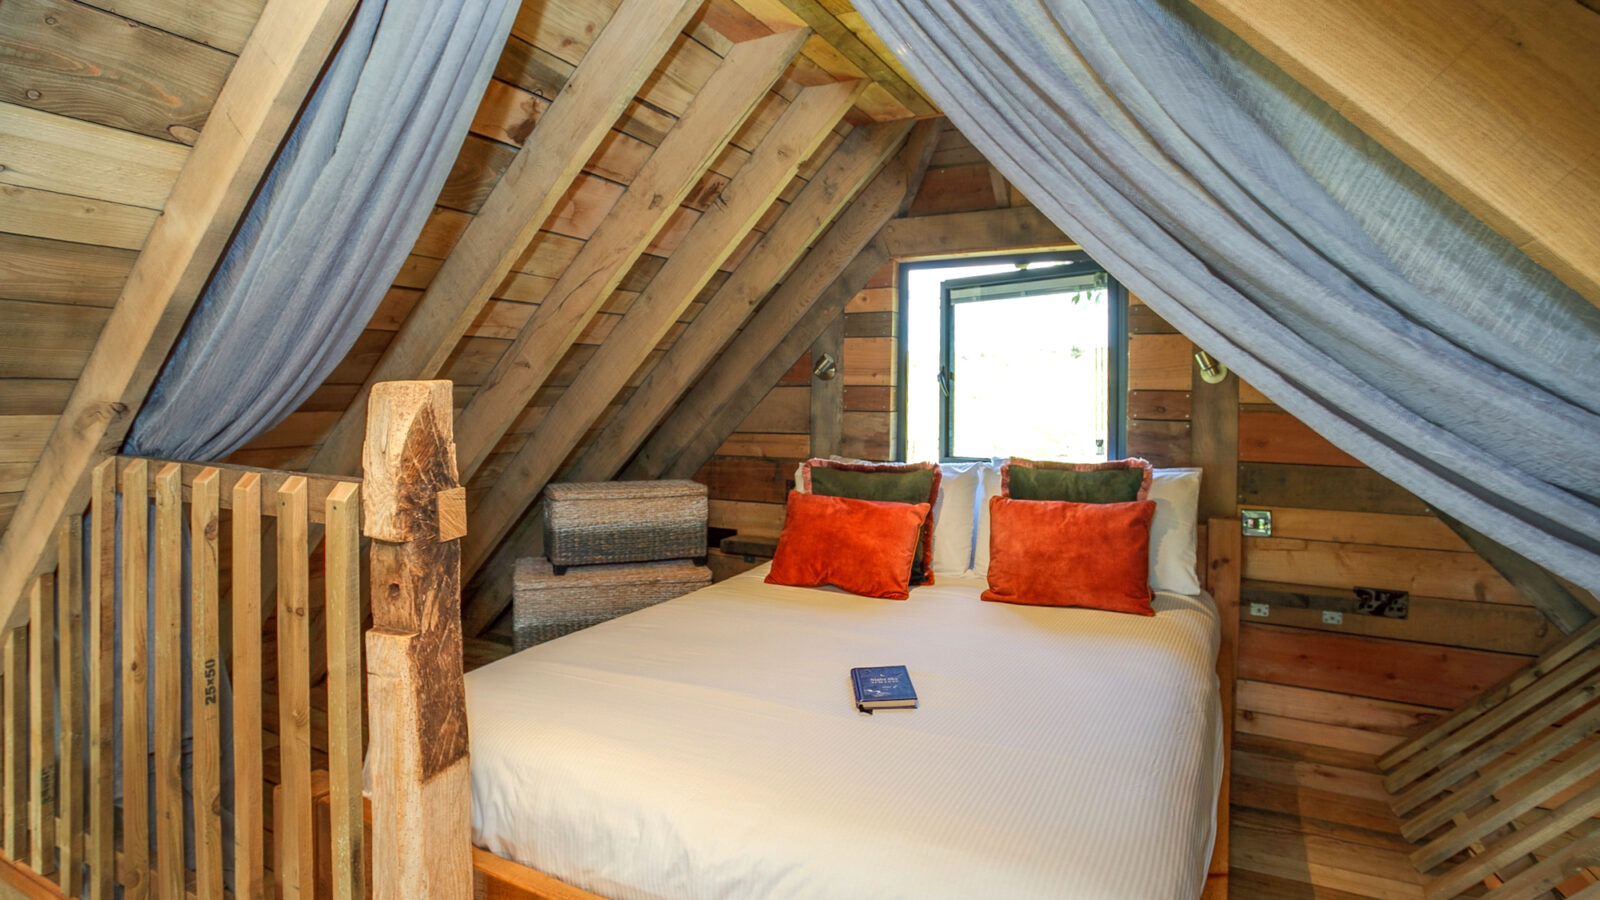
(57,818)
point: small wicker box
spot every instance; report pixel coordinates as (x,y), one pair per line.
(591,522)
(546,605)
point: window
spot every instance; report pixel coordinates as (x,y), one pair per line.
(1019,357)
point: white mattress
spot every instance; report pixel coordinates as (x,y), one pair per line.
(708,747)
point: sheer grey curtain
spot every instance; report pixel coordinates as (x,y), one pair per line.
(1265,226)
(332,225)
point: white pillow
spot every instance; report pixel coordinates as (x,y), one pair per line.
(1172,530)
(954,515)
(988,487)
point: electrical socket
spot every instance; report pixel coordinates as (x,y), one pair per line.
(1260,609)
(1332,617)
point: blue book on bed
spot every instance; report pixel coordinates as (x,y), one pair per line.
(883,687)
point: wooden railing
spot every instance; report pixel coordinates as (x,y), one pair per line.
(109,623)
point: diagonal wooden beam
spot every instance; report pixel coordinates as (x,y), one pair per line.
(835,187)
(844,242)
(740,81)
(757,184)
(263,93)
(1536,585)
(635,39)
(856,160)
(749,385)
(1498,106)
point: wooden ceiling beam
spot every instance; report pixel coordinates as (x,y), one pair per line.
(682,433)
(755,187)
(857,160)
(1496,104)
(973,233)
(707,126)
(621,58)
(264,91)
(829,28)
(756,381)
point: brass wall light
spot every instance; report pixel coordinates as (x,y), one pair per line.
(1211,371)
(826,367)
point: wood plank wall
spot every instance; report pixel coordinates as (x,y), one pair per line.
(99,104)
(1338,525)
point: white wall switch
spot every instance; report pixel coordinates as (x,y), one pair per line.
(1332,617)
(1259,609)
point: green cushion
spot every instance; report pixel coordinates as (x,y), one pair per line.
(896,487)
(1098,486)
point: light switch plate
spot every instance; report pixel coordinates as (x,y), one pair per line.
(1255,522)
(1332,617)
(1260,609)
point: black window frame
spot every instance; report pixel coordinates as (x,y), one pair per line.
(1077,262)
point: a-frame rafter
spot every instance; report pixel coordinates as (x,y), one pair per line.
(716,113)
(771,166)
(879,202)
(626,52)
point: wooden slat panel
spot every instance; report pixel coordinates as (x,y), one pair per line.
(42,795)
(14,707)
(772,446)
(1324,487)
(296,861)
(46,341)
(249,881)
(343,542)
(55,153)
(1515,845)
(205,661)
(63,217)
(1162,442)
(1369,667)
(1422,532)
(1160,362)
(135,866)
(75,60)
(1160,404)
(102,843)
(1460,623)
(1278,437)
(168,673)
(48,271)
(224,24)
(1434,573)
(69,661)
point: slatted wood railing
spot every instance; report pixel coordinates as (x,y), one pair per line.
(168,602)
(1502,794)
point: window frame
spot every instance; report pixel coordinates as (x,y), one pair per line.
(1117,338)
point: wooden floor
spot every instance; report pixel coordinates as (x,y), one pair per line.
(1313,822)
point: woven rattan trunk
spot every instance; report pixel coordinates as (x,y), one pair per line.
(546,605)
(588,523)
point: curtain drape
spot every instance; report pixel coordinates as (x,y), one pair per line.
(1261,223)
(331,226)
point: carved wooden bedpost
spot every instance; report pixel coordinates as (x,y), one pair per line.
(415,514)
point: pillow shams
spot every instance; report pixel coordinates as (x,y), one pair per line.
(861,546)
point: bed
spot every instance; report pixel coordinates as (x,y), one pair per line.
(708,747)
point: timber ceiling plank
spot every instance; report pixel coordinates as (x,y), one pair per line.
(840,180)
(56,153)
(754,188)
(716,112)
(621,58)
(75,60)
(258,103)
(879,202)
(830,29)
(1501,111)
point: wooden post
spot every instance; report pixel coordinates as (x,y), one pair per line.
(135,868)
(249,859)
(827,394)
(101,851)
(1225,563)
(15,657)
(412,509)
(69,695)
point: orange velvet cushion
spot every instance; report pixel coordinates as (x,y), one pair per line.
(1057,553)
(862,546)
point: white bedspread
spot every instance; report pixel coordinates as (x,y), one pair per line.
(708,747)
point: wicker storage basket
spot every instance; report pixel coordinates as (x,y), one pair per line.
(546,605)
(587,523)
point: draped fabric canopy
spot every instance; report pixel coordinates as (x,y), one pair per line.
(1266,227)
(331,226)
